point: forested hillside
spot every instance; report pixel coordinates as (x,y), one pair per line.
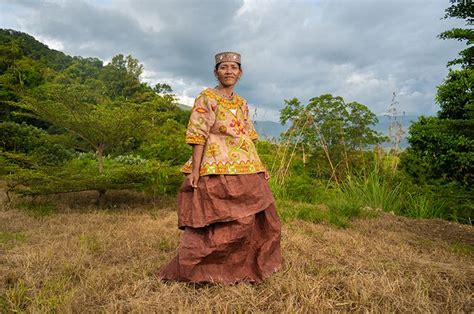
(73,124)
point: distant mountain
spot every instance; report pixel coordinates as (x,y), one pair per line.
(184,107)
(271,129)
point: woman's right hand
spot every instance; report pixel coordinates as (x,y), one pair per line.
(193,179)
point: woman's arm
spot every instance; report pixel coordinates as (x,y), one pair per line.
(200,122)
(197,157)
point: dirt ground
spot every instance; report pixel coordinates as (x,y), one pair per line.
(78,258)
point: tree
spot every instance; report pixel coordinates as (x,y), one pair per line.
(163,88)
(330,124)
(88,115)
(444,144)
(463,10)
(122,77)
(441,153)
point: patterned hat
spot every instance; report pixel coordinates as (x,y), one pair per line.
(227,56)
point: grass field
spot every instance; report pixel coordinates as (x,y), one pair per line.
(73,257)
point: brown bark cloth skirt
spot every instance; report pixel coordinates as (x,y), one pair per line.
(231,231)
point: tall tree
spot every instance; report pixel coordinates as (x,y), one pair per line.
(330,124)
(122,77)
(84,112)
(462,9)
(442,147)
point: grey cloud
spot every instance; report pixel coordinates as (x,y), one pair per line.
(360,50)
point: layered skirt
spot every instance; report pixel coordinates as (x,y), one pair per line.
(231,231)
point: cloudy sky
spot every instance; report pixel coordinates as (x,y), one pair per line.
(362,50)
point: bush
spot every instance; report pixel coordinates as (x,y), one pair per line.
(81,173)
(36,143)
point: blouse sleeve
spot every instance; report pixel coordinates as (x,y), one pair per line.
(249,124)
(200,122)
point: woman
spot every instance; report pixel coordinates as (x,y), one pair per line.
(226,209)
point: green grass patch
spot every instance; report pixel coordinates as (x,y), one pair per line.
(90,242)
(49,298)
(38,209)
(54,294)
(16,298)
(10,239)
(374,190)
(337,212)
(422,206)
(463,248)
(166,245)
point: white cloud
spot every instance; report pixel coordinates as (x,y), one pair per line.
(360,50)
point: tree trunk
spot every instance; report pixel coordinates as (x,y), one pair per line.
(100,157)
(101,199)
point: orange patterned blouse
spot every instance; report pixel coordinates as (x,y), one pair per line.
(224,127)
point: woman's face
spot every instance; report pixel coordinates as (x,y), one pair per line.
(228,73)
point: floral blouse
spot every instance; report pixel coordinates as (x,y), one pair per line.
(224,127)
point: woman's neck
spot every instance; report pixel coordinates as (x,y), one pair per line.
(225,91)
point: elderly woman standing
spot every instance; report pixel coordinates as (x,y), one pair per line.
(226,209)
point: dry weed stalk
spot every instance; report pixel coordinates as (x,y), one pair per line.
(283,168)
(395,131)
(325,147)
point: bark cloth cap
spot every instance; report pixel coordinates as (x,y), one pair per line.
(227,56)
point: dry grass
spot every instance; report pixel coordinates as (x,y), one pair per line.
(76,260)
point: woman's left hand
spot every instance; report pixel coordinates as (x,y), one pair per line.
(267,175)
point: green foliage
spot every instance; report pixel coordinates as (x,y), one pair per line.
(167,143)
(364,192)
(441,155)
(80,174)
(336,212)
(447,200)
(266,151)
(329,120)
(327,131)
(422,206)
(439,152)
(83,112)
(376,190)
(303,188)
(456,96)
(461,10)
(162,88)
(38,209)
(72,124)
(26,45)
(80,71)
(41,147)
(122,77)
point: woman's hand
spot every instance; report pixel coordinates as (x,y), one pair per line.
(193,179)
(267,175)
